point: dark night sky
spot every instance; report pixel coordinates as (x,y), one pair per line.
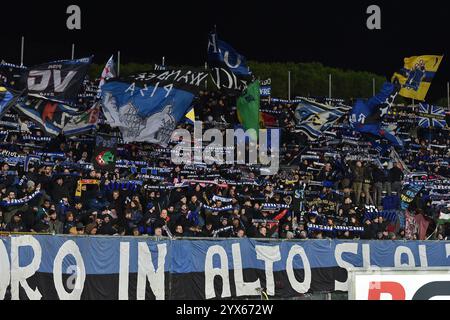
(331,32)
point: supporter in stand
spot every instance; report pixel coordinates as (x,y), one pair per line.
(319,184)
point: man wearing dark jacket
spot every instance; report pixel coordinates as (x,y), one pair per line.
(358,178)
(378,180)
(16,224)
(262,232)
(117,202)
(107,227)
(60,190)
(369,231)
(396,177)
(367,182)
(42,226)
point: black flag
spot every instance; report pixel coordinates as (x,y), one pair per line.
(104,157)
(58,80)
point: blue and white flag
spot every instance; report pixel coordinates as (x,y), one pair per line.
(51,116)
(431,116)
(229,68)
(83,122)
(313,118)
(148,106)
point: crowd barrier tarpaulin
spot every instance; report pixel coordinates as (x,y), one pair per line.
(113,267)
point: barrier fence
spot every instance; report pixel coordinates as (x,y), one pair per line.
(114,267)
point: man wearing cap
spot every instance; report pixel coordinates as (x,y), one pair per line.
(16,224)
(80,229)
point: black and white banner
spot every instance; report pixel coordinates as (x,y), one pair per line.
(58,80)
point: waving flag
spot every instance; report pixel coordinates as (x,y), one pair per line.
(248,109)
(417,74)
(7,99)
(366,116)
(50,115)
(443,218)
(58,80)
(431,116)
(107,73)
(104,155)
(229,69)
(147,107)
(13,76)
(83,121)
(190,116)
(314,118)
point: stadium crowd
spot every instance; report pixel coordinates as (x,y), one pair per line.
(338,186)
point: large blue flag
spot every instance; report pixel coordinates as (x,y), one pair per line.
(148,107)
(366,116)
(229,68)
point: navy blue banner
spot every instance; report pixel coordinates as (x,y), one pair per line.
(229,70)
(82,267)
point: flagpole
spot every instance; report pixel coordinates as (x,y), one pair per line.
(118,63)
(448,94)
(329,86)
(289,86)
(73,51)
(22,49)
(206,82)
(373,87)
